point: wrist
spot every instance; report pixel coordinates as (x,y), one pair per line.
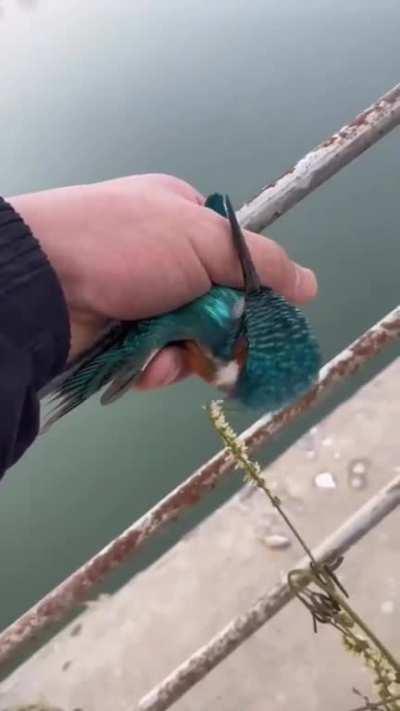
(33,311)
(59,219)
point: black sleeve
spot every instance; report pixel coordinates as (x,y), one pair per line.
(34,333)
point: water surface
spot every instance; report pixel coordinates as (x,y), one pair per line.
(228,96)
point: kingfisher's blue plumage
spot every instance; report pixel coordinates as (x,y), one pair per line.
(251,343)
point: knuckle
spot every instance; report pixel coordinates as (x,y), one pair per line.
(176,185)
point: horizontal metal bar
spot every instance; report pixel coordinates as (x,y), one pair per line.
(349,142)
(77,586)
(322,162)
(238,630)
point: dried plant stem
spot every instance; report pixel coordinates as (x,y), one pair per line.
(378,705)
(252,469)
(367,630)
(329,606)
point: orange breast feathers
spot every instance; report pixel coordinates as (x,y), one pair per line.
(241,350)
(198,361)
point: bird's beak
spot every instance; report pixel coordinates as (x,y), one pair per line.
(251,280)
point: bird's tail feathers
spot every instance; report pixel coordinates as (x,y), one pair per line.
(116,366)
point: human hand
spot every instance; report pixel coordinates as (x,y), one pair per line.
(140,246)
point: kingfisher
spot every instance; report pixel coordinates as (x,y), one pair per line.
(249,343)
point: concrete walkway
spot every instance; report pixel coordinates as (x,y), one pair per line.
(125,644)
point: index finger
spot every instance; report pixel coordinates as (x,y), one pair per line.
(212,241)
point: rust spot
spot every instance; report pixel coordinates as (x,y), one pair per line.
(346,132)
(188,497)
(329,141)
(269,186)
(361,119)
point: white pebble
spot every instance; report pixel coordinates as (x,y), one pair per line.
(325,480)
(276,541)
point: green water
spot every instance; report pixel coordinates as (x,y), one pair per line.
(227,95)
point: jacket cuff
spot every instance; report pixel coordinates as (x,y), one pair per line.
(33,311)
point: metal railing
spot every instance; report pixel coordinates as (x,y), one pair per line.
(273,201)
(239,629)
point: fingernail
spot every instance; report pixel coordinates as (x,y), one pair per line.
(306,285)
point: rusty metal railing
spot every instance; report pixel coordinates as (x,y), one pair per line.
(273,201)
(268,605)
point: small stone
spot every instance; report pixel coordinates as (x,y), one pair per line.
(77,629)
(387,607)
(325,480)
(327,442)
(276,541)
(357,473)
(311,454)
(337,455)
